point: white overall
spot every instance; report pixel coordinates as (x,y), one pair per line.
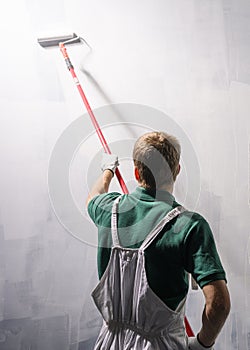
(135,318)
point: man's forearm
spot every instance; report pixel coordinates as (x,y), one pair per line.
(212,323)
(215,312)
(101,185)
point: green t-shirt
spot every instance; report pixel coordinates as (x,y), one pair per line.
(186,243)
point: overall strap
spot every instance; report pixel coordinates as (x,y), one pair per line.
(158,228)
(114,230)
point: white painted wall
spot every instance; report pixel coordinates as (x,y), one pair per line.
(181,65)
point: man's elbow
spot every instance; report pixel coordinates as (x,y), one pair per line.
(226,306)
(90,196)
(218,302)
(221,309)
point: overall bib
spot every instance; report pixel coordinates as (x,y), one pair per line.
(135,318)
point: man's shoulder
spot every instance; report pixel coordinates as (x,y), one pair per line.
(191,219)
(193,215)
(101,204)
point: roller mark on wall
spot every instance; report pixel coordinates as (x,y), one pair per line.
(234,332)
(50,333)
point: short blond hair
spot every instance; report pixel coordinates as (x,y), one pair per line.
(157,156)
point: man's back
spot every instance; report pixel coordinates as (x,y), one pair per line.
(185,245)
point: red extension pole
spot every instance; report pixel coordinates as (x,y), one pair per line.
(91,114)
(105,146)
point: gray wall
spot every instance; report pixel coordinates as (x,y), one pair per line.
(182,66)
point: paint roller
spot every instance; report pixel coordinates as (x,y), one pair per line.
(61,41)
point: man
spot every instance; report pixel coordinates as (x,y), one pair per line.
(184,245)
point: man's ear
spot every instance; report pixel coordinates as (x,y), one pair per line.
(137,175)
(179,169)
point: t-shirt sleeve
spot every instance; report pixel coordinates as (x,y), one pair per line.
(100,207)
(201,257)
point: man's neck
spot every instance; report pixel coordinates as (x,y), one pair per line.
(168,188)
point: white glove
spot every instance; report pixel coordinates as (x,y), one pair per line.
(109,161)
(194,344)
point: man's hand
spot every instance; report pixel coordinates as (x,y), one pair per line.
(109,162)
(194,344)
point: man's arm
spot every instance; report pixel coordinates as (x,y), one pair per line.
(101,185)
(108,166)
(217,307)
